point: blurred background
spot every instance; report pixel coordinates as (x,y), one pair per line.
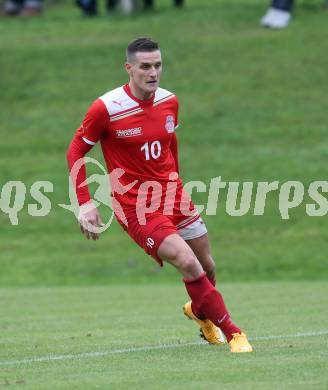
(253,107)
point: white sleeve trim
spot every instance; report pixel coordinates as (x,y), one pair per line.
(88,142)
(177,126)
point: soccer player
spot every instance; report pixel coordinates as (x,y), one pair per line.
(135,124)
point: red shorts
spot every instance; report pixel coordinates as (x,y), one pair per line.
(155,226)
(158,226)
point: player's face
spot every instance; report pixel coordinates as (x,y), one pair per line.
(145,72)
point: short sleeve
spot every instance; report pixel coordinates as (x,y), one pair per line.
(95,122)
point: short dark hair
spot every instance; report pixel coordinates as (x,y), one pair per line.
(142,44)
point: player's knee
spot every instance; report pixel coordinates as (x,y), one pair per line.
(186,261)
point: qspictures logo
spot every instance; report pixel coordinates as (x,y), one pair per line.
(237,198)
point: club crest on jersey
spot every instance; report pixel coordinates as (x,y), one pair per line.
(169,125)
(129,132)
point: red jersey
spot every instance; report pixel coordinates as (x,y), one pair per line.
(136,136)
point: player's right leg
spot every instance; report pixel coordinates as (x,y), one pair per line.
(160,232)
(175,251)
(203,294)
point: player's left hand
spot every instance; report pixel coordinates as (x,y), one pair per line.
(89,220)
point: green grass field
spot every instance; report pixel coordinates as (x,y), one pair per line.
(252,108)
(136,336)
(76,314)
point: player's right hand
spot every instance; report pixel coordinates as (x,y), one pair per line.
(89,220)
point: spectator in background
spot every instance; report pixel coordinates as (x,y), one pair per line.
(90,7)
(279,14)
(22,8)
(150,3)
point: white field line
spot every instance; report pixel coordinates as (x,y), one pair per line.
(85,355)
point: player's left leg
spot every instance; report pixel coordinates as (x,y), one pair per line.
(196,237)
(201,247)
(195,234)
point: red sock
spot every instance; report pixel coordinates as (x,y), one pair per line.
(212,279)
(195,309)
(206,299)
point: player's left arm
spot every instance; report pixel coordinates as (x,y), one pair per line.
(174,140)
(174,151)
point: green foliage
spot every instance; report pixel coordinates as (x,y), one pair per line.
(252,109)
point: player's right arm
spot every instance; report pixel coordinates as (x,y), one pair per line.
(90,132)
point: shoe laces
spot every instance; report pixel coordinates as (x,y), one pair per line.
(210,328)
(237,335)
